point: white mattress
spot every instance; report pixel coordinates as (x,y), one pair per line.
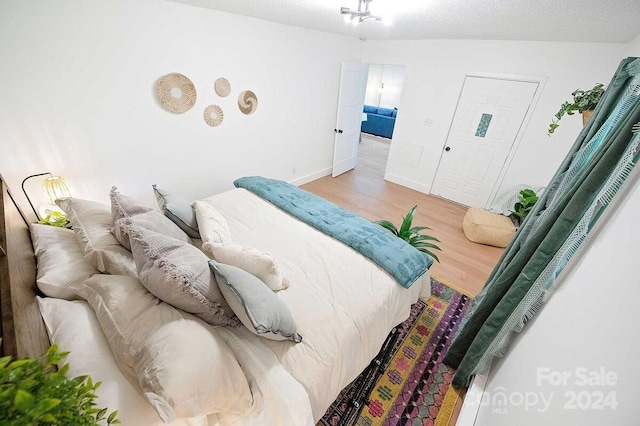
(343,303)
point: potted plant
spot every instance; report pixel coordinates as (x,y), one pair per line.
(527,198)
(37,392)
(584,101)
(411,234)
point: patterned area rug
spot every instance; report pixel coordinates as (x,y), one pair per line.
(415,387)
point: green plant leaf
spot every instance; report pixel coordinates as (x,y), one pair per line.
(112,417)
(430,253)
(388,226)
(23,400)
(417,229)
(48,418)
(425,245)
(424,237)
(407,220)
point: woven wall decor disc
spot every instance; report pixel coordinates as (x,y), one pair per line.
(222,87)
(213,115)
(247,102)
(176,93)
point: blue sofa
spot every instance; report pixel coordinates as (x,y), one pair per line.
(380,121)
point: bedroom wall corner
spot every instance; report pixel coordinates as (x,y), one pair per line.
(79,97)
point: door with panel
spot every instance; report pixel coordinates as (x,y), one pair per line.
(353,84)
(486,123)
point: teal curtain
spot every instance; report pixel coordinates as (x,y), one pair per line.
(586,181)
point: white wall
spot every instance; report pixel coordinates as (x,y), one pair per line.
(434,77)
(589,323)
(384,85)
(634,47)
(77,96)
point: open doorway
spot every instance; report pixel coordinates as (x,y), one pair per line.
(381,108)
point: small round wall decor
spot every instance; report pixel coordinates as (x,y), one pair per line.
(222,87)
(176,93)
(247,102)
(213,115)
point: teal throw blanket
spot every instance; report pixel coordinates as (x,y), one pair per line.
(401,260)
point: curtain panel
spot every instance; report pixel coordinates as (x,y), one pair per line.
(589,176)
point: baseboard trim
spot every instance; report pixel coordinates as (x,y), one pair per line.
(473,399)
(411,184)
(311,177)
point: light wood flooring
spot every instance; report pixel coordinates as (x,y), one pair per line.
(464,265)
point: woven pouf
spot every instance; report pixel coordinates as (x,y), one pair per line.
(482,226)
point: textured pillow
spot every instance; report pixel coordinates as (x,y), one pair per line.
(178,274)
(252,260)
(91,223)
(126,207)
(61,265)
(213,226)
(179,210)
(179,363)
(259,309)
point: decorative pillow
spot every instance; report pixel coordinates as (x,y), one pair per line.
(91,224)
(252,260)
(61,265)
(126,207)
(182,366)
(179,210)
(177,273)
(213,226)
(259,309)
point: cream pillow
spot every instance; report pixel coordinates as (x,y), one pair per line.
(123,207)
(91,222)
(178,274)
(181,365)
(252,260)
(61,265)
(212,225)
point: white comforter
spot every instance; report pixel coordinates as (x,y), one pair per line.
(344,306)
(343,303)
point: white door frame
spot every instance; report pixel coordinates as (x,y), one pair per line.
(541,80)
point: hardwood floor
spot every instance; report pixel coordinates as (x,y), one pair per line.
(463,265)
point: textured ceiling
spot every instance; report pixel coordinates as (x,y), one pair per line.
(609,21)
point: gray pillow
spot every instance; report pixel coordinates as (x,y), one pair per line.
(177,273)
(259,308)
(123,207)
(179,210)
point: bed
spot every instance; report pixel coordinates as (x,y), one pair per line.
(343,304)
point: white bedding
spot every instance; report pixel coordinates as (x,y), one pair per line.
(278,397)
(343,303)
(344,306)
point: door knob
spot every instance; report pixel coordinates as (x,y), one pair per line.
(337,131)
(340,131)
(448,149)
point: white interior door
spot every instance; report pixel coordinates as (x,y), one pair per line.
(488,117)
(353,83)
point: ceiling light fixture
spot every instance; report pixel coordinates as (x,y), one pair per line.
(362,14)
